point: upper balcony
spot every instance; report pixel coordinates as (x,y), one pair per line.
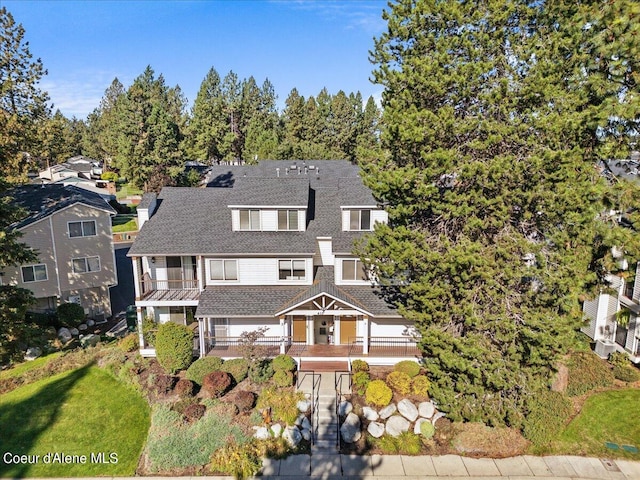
(168,290)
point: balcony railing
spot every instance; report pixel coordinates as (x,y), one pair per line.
(232,346)
(168,289)
(385,346)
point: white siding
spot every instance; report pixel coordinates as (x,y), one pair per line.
(390,327)
(235,220)
(590,310)
(345,220)
(636,285)
(260,271)
(302,220)
(379,216)
(239,325)
(269,220)
(324,252)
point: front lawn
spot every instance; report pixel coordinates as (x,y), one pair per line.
(124,223)
(27,366)
(605,417)
(80,412)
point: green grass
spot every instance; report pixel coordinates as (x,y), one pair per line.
(24,367)
(605,417)
(79,412)
(126,190)
(124,223)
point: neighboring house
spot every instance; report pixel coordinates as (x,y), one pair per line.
(70,229)
(79,166)
(267,246)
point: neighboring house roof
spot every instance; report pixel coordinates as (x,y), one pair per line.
(40,201)
(197,221)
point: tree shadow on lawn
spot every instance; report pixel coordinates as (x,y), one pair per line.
(23,422)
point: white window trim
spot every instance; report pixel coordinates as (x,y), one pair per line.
(291,278)
(86,264)
(358,267)
(82,222)
(251,227)
(288,227)
(360,229)
(33,266)
(224,270)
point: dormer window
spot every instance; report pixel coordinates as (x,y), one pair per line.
(288,220)
(249,219)
(291,270)
(353,270)
(360,220)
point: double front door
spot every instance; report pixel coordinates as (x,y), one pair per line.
(324,329)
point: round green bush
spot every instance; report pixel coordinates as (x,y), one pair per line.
(174,346)
(359,366)
(378,393)
(202,366)
(409,367)
(261,371)
(626,373)
(284,362)
(238,368)
(70,314)
(359,382)
(282,378)
(400,382)
(427,429)
(420,385)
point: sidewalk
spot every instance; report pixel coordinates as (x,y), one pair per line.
(452,467)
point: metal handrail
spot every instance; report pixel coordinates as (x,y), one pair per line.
(315,399)
(337,381)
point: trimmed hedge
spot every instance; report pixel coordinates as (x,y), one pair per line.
(407,366)
(284,362)
(378,393)
(420,385)
(400,382)
(174,346)
(201,367)
(359,366)
(238,368)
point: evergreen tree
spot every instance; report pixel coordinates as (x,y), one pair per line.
(495,116)
(368,146)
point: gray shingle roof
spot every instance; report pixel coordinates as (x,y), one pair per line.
(40,201)
(197,221)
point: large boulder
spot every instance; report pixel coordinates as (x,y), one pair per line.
(426,409)
(82,327)
(350,429)
(305,424)
(292,435)
(396,425)
(376,429)
(261,433)
(387,411)
(32,353)
(90,322)
(408,410)
(344,408)
(304,405)
(276,429)
(306,434)
(74,331)
(437,417)
(64,334)
(90,340)
(370,414)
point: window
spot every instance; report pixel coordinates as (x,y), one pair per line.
(34,273)
(219,327)
(353,270)
(249,219)
(82,229)
(86,264)
(291,269)
(224,270)
(360,220)
(287,219)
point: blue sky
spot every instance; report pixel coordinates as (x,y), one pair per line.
(304,44)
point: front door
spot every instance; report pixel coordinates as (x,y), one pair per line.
(300,329)
(347,330)
(322,326)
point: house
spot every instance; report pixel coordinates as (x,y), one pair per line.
(267,246)
(70,229)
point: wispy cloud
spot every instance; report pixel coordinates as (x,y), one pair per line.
(77,93)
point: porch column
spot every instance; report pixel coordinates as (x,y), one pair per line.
(284,334)
(310,330)
(136,278)
(365,335)
(336,329)
(202,331)
(200,273)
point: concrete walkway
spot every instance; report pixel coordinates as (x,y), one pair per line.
(451,467)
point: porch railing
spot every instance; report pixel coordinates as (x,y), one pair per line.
(384,346)
(273,345)
(148,285)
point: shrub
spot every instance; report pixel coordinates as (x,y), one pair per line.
(244,400)
(406,443)
(174,346)
(109,176)
(626,373)
(237,368)
(547,413)
(420,385)
(359,366)
(149,328)
(427,429)
(284,362)
(173,444)
(360,381)
(282,402)
(261,371)
(378,393)
(70,314)
(619,358)
(129,343)
(241,461)
(587,372)
(409,367)
(184,388)
(194,412)
(216,383)
(283,378)
(400,382)
(163,383)
(201,367)
(181,405)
